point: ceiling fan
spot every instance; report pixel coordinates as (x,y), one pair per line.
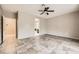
(45,10)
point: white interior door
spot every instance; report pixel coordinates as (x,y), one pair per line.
(9,34)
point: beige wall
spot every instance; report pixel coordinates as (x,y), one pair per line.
(26,25)
(43,26)
(65,25)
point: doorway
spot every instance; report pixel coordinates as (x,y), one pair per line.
(9,34)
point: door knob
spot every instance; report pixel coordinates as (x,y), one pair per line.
(6,24)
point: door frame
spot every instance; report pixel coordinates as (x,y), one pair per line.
(2,27)
(17,25)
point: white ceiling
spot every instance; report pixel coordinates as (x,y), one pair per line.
(60,9)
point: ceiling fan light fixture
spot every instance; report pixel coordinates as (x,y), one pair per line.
(47,13)
(46,10)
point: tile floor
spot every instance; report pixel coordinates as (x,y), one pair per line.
(48,44)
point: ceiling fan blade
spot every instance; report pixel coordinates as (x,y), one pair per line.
(47,7)
(43,4)
(50,11)
(42,12)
